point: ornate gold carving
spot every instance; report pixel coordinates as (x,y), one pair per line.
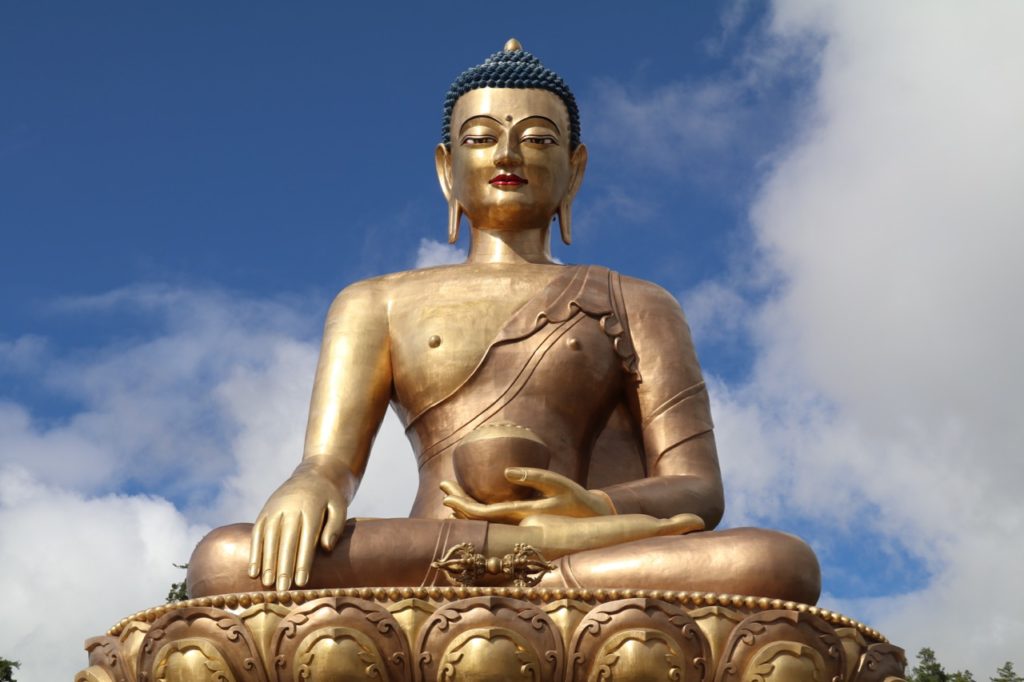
(191,660)
(522,567)
(566,615)
(717,623)
(686,599)
(479,654)
(262,621)
(853,644)
(639,656)
(326,637)
(466,629)
(199,643)
(131,638)
(337,653)
(881,662)
(106,658)
(93,673)
(519,633)
(462,565)
(783,645)
(411,614)
(787,662)
(653,638)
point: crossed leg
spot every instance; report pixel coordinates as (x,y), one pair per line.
(398,552)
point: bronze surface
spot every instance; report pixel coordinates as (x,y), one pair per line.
(482,634)
(481,458)
(557,406)
(556,413)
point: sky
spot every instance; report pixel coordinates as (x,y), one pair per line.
(831,190)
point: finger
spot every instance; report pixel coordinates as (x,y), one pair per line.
(291,528)
(547,483)
(461,505)
(306,550)
(256,547)
(681,523)
(334,524)
(453,488)
(500,511)
(270,535)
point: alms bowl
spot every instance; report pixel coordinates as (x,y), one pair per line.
(481,458)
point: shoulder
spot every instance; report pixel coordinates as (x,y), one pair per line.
(641,295)
(383,289)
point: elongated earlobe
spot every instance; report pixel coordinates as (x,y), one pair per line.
(565,220)
(443,163)
(454,218)
(579,165)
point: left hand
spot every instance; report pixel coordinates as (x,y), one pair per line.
(561,496)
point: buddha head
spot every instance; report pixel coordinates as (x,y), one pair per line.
(510,156)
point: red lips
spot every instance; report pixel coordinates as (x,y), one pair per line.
(507,180)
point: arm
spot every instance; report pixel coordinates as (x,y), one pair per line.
(671,405)
(350,396)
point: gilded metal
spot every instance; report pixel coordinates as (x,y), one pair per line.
(524,566)
(463,565)
(553,407)
(557,406)
(482,458)
(503,633)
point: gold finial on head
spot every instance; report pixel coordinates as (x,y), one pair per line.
(513,45)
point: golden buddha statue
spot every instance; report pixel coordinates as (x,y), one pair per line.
(559,407)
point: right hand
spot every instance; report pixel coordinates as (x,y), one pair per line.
(561,535)
(308,507)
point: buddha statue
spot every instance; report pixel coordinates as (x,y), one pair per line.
(557,408)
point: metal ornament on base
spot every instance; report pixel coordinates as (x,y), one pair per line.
(458,634)
(554,411)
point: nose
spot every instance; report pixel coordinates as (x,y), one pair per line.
(507,152)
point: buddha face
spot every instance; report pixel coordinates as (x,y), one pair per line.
(510,166)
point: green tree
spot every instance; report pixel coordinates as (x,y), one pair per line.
(177,591)
(7,668)
(928,669)
(962,676)
(1006,674)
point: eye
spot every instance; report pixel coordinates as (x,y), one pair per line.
(476,140)
(540,140)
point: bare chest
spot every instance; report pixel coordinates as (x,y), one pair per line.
(440,331)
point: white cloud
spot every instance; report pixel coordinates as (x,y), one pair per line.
(885,392)
(214,396)
(73,566)
(708,129)
(672,123)
(716,312)
(150,416)
(432,253)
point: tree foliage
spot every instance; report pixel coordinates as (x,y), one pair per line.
(928,668)
(1005,673)
(7,668)
(177,591)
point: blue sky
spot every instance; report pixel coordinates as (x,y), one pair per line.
(830,191)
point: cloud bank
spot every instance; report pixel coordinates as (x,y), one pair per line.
(884,397)
(186,425)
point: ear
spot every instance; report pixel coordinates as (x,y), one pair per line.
(443,162)
(578,165)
